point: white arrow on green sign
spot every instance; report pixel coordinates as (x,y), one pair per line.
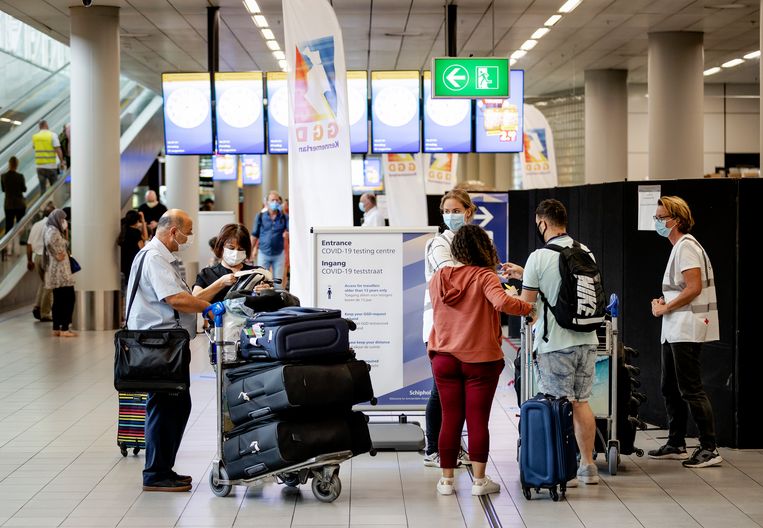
(470,78)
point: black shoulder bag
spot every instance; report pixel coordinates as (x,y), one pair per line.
(151,360)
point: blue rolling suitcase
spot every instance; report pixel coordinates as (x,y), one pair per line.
(547,447)
(297,334)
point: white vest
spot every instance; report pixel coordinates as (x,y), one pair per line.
(696,322)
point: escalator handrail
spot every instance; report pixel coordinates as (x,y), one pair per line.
(32,211)
(40,85)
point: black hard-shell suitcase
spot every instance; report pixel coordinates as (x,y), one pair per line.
(547,446)
(295,334)
(258,390)
(266,447)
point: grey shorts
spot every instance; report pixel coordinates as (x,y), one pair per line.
(567,372)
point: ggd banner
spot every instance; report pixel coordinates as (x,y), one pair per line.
(538,164)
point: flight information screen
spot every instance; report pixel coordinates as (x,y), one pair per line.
(447,122)
(187,113)
(499,122)
(240,119)
(395,111)
(278,113)
(357,100)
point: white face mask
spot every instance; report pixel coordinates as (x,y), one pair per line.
(185,245)
(233,257)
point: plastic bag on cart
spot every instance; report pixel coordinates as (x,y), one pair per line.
(233,322)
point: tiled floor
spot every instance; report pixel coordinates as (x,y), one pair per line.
(59,465)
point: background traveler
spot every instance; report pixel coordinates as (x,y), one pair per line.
(152,211)
(58,272)
(163,300)
(457,210)
(34,249)
(371,215)
(13,185)
(132,237)
(232,245)
(64,138)
(47,148)
(465,349)
(565,359)
(270,233)
(689,312)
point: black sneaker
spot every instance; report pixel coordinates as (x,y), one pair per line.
(669,452)
(36,313)
(167,485)
(703,458)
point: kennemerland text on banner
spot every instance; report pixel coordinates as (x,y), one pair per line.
(320,176)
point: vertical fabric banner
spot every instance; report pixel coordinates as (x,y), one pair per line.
(405,190)
(320,174)
(538,160)
(441,170)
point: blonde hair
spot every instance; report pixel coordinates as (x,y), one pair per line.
(460,195)
(678,209)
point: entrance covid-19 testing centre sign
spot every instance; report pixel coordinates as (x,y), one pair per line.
(376,277)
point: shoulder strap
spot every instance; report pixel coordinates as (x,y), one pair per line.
(135,285)
(553,247)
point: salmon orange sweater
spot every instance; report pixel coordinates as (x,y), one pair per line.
(466,301)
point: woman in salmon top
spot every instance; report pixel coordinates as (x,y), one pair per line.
(465,349)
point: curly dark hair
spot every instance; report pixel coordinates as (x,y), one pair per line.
(471,246)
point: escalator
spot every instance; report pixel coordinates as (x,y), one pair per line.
(141,141)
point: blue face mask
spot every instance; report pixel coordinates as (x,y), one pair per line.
(454,221)
(361,207)
(662,229)
(274,206)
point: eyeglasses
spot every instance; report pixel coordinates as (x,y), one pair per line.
(656,218)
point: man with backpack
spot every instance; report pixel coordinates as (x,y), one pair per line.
(564,277)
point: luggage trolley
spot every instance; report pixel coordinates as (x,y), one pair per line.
(323,469)
(608,347)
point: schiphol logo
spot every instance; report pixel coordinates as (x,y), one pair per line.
(315,100)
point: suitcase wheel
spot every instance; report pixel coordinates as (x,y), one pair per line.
(526,492)
(220,490)
(135,451)
(374,401)
(327,490)
(123,450)
(554,494)
(290,479)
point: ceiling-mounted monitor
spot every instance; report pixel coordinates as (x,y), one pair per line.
(357,100)
(395,103)
(187,113)
(224,167)
(499,122)
(447,123)
(240,113)
(251,169)
(278,112)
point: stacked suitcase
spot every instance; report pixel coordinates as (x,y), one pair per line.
(291,400)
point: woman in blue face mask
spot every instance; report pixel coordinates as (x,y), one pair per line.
(457,211)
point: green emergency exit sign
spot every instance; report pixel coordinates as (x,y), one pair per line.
(470,78)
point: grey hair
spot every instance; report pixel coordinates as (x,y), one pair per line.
(168,221)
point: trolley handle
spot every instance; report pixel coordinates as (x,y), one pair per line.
(614,305)
(217,309)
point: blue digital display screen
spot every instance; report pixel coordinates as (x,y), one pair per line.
(357,100)
(367,175)
(278,113)
(395,111)
(224,167)
(447,122)
(499,122)
(240,113)
(251,169)
(187,113)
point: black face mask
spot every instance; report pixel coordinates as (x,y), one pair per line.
(541,234)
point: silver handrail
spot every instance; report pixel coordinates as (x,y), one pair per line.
(32,211)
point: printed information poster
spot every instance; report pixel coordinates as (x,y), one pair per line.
(376,277)
(648,196)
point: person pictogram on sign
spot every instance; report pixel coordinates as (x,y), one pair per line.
(328,293)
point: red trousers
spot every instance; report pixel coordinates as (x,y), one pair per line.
(466,393)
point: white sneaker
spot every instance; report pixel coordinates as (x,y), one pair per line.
(485,486)
(432,460)
(445,486)
(463,458)
(573,483)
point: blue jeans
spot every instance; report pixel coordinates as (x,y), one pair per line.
(166,417)
(272,262)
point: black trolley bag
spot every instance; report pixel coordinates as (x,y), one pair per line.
(547,448)
(297,334)
(265,447)
(257,390)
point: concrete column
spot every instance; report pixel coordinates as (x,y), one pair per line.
(487,169)
(676,90)
(269,175)
(606,126)
(181,176)
(95,188)
(283,176)
(226,196)
(462,162)
(504,172)
(252,204)
(472,167)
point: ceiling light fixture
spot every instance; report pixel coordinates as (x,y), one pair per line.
(553,19)
(251,6)
(752,55)
(539,33)
(283,64)
(569,6)
(518,54)
(711,71)
(527,45)
(260,21)
(268,34)
(279,55)
(273,45)
(732,63)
